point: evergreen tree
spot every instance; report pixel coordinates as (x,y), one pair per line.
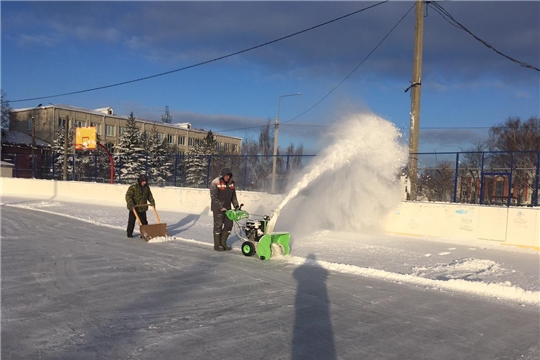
(160,160)
(130,155)
(58,153)
(197,161)
(6,114)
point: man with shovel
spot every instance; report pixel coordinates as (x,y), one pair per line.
(222,194)
(138,194)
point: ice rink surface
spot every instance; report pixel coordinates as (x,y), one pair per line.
(74,287)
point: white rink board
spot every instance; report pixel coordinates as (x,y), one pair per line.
(515,225)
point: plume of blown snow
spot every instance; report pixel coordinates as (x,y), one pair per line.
(352,184)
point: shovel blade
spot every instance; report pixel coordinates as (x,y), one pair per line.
(153,230)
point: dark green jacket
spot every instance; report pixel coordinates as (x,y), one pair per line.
(137,195)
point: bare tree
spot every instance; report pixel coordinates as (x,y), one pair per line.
(521,143)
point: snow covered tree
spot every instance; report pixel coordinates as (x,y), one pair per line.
(6,114)
(58,150)
(130,155)
(197,161)
(160,158)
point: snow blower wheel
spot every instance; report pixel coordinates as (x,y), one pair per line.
(248,248)
(257,240)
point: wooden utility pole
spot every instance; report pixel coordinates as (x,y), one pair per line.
(416,85)
(66,138)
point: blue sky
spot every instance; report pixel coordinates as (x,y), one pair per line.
(51,48)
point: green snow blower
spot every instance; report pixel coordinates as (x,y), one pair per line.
(256,239)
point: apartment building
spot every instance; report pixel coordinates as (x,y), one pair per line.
(47,120)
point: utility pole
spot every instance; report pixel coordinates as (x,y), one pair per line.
(276,131)
(66,135)
(416,85)
(33,143)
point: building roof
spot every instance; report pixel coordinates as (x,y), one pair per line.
(104,112)
(19,138)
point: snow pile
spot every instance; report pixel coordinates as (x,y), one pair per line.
(500,291)
(353,183)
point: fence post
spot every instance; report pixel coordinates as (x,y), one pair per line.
(73,167)
(510,187)
(16,167)
(209,160)
(245,170)
(146,164)
(537,174)
(175,168)
(482,180)
(456,177)
(95,166)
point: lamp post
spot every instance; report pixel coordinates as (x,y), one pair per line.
(276,127)
(34,140)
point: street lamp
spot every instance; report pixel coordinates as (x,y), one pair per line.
(34,140)
(276,127)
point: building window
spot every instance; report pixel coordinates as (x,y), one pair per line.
(499,189)
(109,130)
(98,128)
(121,130)
(110,147)
(181,140)
(234,148)
(170,139)
(191,141)
(226,148)
(80,123)
(61,122)
(159,137)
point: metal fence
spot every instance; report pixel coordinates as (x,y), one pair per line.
(251,172)
(490,178)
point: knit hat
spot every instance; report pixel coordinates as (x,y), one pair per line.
(142,178)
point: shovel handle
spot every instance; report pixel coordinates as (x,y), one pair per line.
(137,215)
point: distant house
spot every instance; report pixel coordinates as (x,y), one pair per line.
(17,150)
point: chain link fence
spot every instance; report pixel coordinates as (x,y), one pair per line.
(251,172)
(490,178)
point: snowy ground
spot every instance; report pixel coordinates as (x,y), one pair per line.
(73,286)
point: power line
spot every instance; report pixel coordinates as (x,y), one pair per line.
(204,62)
(354,70)
(340,83)
(450,19)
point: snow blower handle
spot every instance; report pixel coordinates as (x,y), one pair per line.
(239,207)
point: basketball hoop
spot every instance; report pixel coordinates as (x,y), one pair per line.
(85,138)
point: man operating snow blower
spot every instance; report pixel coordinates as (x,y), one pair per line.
(222,194)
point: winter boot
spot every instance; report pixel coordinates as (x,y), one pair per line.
(217,245)
(223,240)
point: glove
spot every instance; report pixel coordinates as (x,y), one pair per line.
(130,208)
(223,209)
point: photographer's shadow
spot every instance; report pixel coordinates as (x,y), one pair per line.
(313,337)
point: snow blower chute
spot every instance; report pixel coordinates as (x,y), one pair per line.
(256,239)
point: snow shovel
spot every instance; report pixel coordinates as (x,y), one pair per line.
(151,230)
